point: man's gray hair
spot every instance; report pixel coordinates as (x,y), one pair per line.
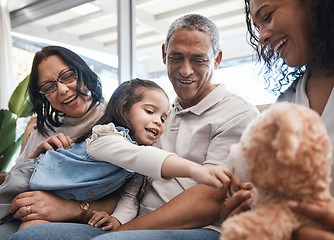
(195,22)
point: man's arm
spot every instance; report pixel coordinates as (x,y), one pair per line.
(196,207)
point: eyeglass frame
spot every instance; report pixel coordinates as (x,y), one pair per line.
(59,80)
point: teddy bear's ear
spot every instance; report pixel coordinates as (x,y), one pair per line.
(289,134)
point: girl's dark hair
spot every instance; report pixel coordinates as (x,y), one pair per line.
(275,70)
(123,98)
(120,103)
(47,115)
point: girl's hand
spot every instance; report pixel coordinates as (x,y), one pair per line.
(317,213)
(214,176)
(52,143)
(100,218)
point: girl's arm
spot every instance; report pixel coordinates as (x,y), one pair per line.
(126,209)
(127,206)
(215,176)
(110,146)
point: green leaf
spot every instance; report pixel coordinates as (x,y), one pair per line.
(20,105)
(7,155)
(7,129)
(19,102)
(8,145)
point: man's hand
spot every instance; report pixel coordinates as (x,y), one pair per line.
(239,202)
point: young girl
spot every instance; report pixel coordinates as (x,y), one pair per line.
(294,38)
(135,115)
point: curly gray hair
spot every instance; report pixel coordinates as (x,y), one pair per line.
(196,22)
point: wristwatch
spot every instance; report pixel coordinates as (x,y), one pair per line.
(84,206)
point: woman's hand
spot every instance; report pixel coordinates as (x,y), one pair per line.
(41,205)
(317,213)
(239,202)
(52,143)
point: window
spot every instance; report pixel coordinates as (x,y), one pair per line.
(236,69)
(87,27)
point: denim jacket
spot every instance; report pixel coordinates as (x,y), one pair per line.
(74,174)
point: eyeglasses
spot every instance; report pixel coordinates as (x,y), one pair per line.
(66,77)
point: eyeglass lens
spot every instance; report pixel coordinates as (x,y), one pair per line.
(65,78)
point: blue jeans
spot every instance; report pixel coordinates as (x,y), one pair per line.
(180,234)
(61,231)
(73,231)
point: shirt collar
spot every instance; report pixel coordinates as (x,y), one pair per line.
(215,96)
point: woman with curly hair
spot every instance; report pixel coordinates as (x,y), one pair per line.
(294,40)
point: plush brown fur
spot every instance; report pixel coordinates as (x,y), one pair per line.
(288,156)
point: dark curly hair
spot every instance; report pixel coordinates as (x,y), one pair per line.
(275,70)
(47,115)
(123,98)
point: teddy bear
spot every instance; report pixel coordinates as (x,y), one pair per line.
(286,153)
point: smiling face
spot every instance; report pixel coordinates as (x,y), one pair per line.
(190,64)
(284,26)
(66,99)
(147,116)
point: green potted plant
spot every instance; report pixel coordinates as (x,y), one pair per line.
(19,106)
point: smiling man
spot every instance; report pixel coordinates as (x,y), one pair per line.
(201,125)
(191,61)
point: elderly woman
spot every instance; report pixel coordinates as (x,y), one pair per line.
(67,98)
